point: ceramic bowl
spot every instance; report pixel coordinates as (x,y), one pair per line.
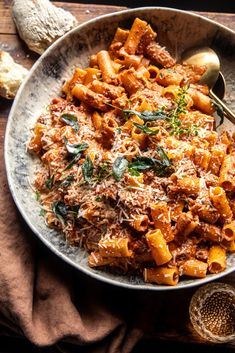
(178,31)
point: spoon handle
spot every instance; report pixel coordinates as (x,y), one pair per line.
(227,112)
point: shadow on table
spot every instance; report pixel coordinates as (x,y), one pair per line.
(208,6)
(16,345)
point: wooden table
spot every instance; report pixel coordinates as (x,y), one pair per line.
(174,321)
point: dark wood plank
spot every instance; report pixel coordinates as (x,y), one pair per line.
(18,49)
(85,12)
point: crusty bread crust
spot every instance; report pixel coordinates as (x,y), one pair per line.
(11,75)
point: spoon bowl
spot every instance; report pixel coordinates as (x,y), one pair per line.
(212,77)
(204,57)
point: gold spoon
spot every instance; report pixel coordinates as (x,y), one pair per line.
(213,78)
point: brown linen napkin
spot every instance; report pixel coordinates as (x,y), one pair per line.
(48,301)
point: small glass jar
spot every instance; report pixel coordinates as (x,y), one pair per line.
(212,312)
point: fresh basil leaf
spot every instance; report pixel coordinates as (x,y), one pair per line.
(74,210)
(87,169)
(133,171)
(75,148)
(161,166)
(119,166)
(49,182)
(147,115)
(146,129)
(60,210)
(71,120)
(142,163)
(67,182)
(73,161)
(165,160)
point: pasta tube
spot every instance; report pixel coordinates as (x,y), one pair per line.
(161,217)
(217,157)
(227,175)
(194,268)
(158,247)
(91,75)
(141,223)
(114,247)
(89,97)
(216,259)
(228,231)
(106,89)
(162,275)
(201,101)
(220,201)
(95,259)
(189,185)
(120,36)
(138,136)
(129,148)
(106,66)
(134,37)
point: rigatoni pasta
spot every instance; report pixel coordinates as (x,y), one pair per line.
(133,169)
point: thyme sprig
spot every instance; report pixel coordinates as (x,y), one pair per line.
(103,171)
(173,119)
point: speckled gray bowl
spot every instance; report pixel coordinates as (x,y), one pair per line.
(177,30)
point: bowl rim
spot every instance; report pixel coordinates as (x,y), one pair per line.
(96,276)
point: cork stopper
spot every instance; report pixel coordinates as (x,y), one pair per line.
(212,312)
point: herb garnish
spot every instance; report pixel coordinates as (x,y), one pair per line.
(76,150)
(87,169)
(67,181)
(119,166)
(103,171)
(49,182)
(71,120)
(145,115)
(173,118)
(73,161)
(146,129)
(60,210)
(42,213)
(74,210)
(219,111)
(37,195)
(161,166)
